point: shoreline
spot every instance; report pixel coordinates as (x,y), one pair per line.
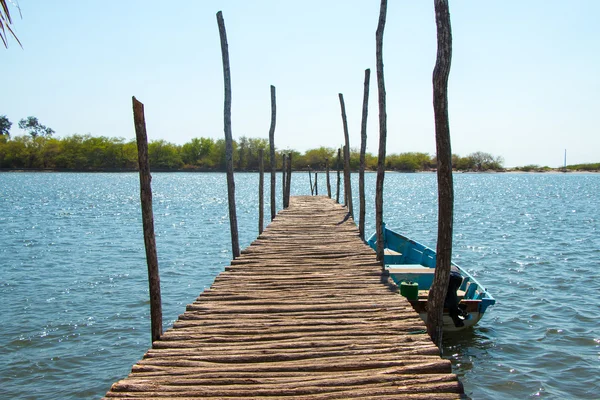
(129,170)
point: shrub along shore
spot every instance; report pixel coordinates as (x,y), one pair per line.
(90,153)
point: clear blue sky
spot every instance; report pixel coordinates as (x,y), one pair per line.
(524,82)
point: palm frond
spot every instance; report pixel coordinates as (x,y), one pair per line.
(6,22)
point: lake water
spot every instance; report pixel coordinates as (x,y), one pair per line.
(74,291)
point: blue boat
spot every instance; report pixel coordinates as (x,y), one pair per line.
(412,266)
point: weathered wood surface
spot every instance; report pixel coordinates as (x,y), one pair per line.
(235,241)
(261,190)
(363,149)
(441,72)
(301,314)
(381,97)
(272,150)
(148,220)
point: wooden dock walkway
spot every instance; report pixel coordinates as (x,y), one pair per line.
(301,314)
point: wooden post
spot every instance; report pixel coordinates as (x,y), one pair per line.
(310,182)
(272,151)
(316,184)
(327,174)
(437,294)
(347,182)
(283,176)
(345,177)
(289,181)
(337,192)
(261,184)
(148,220)
(235,244)
(363,148)
(382,132)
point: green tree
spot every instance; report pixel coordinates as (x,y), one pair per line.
(355,159)
(49,151)
(241,154)
(164,155)
(28,151)
(217,154)
(482,161)
(128,156)
(463,164)
(13,153)
(197,151)
(34,128)
(370,162)
(72,153)
(102,152)
(253,146)
(315,158)
(409,161)
(5,125)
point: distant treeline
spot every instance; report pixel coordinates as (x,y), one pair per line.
(86,152)
(574,167)
(584,167)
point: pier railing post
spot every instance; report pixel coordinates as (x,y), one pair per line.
(382,132)
(363,148)
(441,72)
(235,244)
(272,151)
(261,184)
(148,220)
(289,181)
(283,179)
(347,182)
(327,177)
(337,192)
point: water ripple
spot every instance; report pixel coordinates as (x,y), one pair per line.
(74,283)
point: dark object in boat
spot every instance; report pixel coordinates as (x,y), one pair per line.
(451,302)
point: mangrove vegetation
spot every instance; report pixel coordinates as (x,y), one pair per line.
(38,148)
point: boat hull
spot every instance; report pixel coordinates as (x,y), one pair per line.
(449,324)
(409,262)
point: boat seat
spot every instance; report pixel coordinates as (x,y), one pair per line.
(416,269)
(390,252)
(424,294)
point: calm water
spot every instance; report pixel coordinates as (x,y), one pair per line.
(73,283)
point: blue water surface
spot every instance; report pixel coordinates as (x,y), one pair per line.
(74,290)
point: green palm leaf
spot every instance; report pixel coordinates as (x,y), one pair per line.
(6,22)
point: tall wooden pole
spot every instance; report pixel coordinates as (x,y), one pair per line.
(310,182)
(363,149)
(382,132)
(148,220)
(347,182)
(235,244)
(272,151)
(345,177)
(283,176)
(327,175)
(316,184)
(437,294)
(261,184)
(337,192)
(289,181)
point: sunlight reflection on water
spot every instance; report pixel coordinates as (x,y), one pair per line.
(74,286)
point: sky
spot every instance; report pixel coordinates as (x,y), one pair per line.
(524,82)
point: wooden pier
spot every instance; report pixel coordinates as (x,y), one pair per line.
(301,314)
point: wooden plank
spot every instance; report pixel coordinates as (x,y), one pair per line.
(301,314)
(407,269)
